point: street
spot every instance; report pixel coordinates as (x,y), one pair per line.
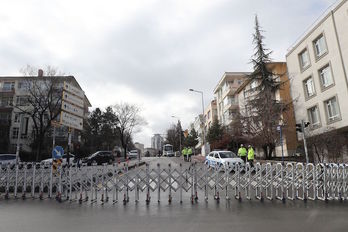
(49,215)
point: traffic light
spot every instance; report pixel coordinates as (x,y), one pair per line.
(299,127)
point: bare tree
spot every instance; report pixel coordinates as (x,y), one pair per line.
(42,102)
(129,122)
(327,146)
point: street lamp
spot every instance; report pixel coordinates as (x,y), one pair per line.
(179,134)
(203,127)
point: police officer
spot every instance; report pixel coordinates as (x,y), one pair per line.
(184,153)
(189,154)
(242,152)
(251,156)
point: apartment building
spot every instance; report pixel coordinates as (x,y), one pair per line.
(225,95)
(318,67)
(197,125)
(157,142)
(247,90)
(210,114)
(14,93)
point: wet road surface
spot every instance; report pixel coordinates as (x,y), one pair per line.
(49,215)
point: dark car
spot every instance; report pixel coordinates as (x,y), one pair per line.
(100,157)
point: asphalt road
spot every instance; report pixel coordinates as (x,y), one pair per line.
(49,215)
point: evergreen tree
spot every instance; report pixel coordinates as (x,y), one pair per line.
(192,139)
(264,110)
(215,132)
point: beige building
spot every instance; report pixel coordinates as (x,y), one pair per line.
(318,66)
(210,113)
(247,90)
(14,95)
(225,95)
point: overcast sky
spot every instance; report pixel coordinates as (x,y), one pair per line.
(148,52)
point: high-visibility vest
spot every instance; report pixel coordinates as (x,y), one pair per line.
(251,154)
(184,151)
(242,151)
(189,151)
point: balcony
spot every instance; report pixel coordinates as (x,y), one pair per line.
(7,90)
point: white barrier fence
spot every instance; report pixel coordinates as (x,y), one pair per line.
(114,183)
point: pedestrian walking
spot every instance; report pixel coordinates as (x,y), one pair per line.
(251,156)
(242,153)
(184,153)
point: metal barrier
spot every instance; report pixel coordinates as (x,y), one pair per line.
(293,181)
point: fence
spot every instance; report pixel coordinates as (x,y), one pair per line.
(115,183)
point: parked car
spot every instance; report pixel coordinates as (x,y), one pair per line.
(100,157)
(133,154)
(224,159)
(8,159)
(64,159)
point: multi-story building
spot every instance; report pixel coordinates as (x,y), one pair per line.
(247,90)
(318,68)
(225,95)
(14,93)
(157,142)
(197,125)
(210,114)
(140,147)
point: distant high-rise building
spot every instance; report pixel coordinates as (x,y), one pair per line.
(157,142)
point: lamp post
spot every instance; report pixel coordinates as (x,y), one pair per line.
(203,127)
(179,134)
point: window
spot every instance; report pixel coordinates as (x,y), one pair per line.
(309,87)
(304,59)
(16,118)
(5,117)
(8,86)
(313,115)
(23,85)
(15,132)
(332,110)
(239,82)
(22,100)
(6,101)
(326,76)
(320,46)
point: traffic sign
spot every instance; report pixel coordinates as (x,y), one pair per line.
(70,108)
(71,120)
(57,152)
(72,89)
(73,99)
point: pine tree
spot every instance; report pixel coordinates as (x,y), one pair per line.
(264,111)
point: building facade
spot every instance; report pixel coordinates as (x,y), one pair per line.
(225,96)
(18,127)
(157,142)
(318,68)
(140,147)
(210,114)
(246,91)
